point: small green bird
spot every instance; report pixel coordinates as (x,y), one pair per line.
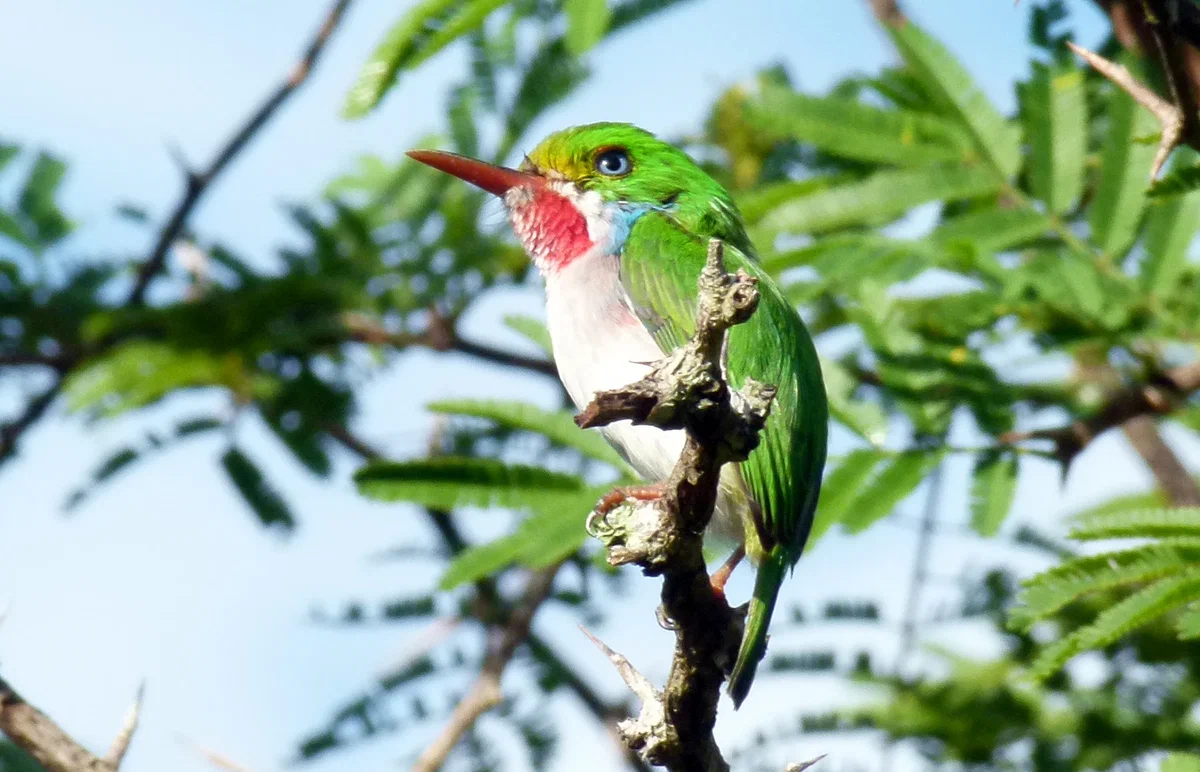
(618,223)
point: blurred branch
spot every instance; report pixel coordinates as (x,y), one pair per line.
(663,532)
(37,734)
(1178,122)
(441,336)
(1162,395)
(490,601)
(197,183)
(485,694)
(11,432)
(1172,476)
(26,358)
(888,12)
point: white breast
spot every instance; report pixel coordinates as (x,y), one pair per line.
(600,344)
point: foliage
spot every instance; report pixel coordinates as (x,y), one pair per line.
(1163,571)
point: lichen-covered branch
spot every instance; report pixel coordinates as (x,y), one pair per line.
(664,535)
(38,735)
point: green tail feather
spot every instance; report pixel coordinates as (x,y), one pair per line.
(758,620)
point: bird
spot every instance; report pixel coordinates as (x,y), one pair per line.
(617,221)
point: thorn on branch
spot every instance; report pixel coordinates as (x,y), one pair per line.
(120,745)
(1169,115)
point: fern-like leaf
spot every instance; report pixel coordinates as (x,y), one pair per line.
(1138,609)
(1145,523)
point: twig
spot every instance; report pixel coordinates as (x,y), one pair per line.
(1161,396)
(11,432)
(664,536)
(1169,115)
(485,694)
(36,733)
(196,184)
(1172,476)
(120,746)
(442,337)
(888,12)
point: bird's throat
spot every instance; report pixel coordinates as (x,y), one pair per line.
(551,226)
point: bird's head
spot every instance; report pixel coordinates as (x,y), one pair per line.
(582,189)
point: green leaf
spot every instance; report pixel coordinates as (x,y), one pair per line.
(37,200)
(423,31)
(558,426)
(992,488)
(944,77)
(1178,183)
(993,230)
(866,419)
(1170,229)
(541,540)
(1188,624)
(7,153)
(587,21)
(1055,113)
(888,488)
(1143,523)
(1124,172)
(1050,591)
(880,198)
(268,505)
(1180,762)
(449,482)
(841,488)
(1116,621)
(531,328)
(851,129)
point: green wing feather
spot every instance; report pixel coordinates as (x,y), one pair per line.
(660,265)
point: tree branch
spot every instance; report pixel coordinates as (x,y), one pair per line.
(1161,396)
(1172,476)
(196,184)
(37,734)
(888,12)
(665,535)
(11,432)
(441,337)
(485,694)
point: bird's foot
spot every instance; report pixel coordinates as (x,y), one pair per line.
(615,498)
(721,576)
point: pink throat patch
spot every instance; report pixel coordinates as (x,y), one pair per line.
(550,227)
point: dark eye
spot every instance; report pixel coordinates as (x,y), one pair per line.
(613,162)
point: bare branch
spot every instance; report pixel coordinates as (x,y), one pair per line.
(1169,115)
(37,734)
(485,694)
(11,432)
(196,184)
(888,12)
(1161,396)
(1172,476)
(120,746)
(442,337)
(665,535)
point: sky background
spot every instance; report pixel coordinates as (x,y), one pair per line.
(165,577)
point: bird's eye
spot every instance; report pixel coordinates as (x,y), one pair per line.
(613,162)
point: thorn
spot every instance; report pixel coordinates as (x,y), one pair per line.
(120,745)
(636,682)
(804,764)
(1169,115)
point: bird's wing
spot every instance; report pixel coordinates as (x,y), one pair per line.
(660,266)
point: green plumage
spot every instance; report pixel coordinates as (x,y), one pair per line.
(660,266)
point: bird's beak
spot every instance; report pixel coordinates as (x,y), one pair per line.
(496,180)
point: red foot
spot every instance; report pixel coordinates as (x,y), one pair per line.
(722,574)
(614,497)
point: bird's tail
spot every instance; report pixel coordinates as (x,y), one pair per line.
(754,641)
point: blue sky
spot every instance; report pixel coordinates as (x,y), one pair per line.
(163,576)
